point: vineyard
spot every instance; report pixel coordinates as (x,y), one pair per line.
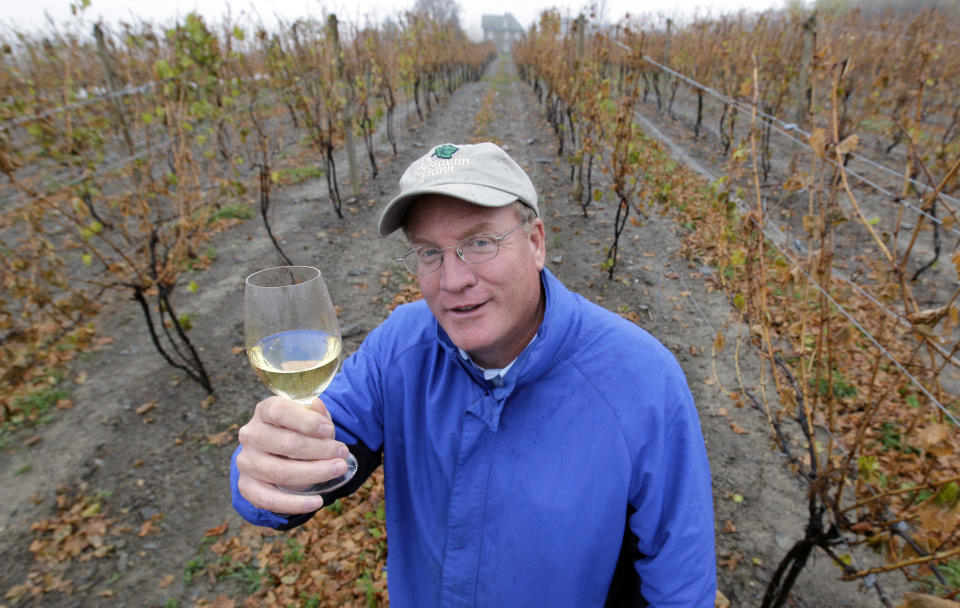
(816,197)
(833,231)
(115,182)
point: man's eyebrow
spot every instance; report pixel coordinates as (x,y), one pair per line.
(484,227)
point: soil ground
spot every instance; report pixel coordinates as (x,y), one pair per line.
(163,464)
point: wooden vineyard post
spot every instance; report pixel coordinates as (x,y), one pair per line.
(803,101)
(580,24)
(347,107)
(669,82)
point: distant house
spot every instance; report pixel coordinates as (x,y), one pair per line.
(503,30)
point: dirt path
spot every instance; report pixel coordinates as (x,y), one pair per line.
(141,443)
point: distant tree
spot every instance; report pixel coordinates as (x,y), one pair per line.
(898,6)
(795,7)
(445,12)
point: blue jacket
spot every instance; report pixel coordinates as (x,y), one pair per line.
(587,455)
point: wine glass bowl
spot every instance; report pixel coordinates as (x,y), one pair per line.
(293,341)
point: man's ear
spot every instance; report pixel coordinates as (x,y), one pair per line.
(538,242)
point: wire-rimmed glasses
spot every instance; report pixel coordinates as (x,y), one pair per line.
(472,250)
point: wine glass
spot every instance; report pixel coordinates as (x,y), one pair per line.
(293,341)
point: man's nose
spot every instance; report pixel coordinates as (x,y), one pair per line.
(455,274)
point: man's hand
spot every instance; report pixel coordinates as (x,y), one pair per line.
(288,445)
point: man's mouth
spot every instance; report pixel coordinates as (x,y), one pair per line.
(467,308)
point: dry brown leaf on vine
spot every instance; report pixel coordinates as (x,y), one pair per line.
(849,144)
(928,316)
(719,342)
(818,142)
(797,181)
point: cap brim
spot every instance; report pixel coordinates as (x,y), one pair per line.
(396,210)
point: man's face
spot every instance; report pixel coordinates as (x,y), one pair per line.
(492,309)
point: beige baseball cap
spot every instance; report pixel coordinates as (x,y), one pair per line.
(482,174)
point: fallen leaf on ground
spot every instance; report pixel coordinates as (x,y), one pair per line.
(721,600)
(217,530)
(730,561)
(922,600)
(147,526)
(221,438)
(146,407)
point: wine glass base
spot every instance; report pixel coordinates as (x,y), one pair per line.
(325,486)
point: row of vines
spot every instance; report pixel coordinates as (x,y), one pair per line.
(123,151)
(834,232)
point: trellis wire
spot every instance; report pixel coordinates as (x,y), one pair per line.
(784,127)
(842,310)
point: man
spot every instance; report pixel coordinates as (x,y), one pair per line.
(538,449)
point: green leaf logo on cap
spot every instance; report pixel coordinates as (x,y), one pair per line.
(445,151)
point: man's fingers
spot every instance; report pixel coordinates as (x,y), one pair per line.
(267,496)
(291,444)
(290,415)
(272,469)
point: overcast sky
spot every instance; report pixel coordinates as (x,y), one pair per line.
(28,15)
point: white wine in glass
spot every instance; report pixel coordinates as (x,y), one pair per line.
(293,341)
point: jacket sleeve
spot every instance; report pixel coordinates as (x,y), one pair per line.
(367,461)
(259,517)
(671,512)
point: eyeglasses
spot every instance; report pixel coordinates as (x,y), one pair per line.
(472,250)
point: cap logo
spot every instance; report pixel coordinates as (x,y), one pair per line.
(446,151)
(438,164)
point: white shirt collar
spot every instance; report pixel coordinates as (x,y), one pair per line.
(490,373)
